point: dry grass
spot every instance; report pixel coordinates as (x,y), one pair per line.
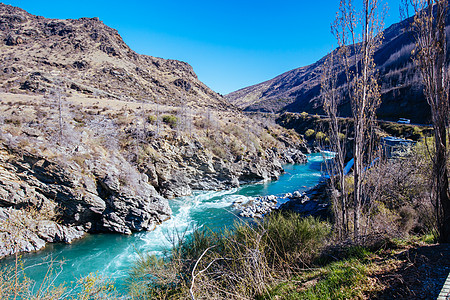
(235,264)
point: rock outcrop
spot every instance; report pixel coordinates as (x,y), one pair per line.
(22,232)
(35,191)
(190,166)
(313,202)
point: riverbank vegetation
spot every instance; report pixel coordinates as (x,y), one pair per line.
(287,256)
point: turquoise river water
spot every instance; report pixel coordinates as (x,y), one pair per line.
(111,255)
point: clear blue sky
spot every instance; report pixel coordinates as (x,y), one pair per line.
(231,44)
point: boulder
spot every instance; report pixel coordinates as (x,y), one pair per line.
(297,194)
(314,202)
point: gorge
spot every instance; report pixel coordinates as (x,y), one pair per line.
(112,256)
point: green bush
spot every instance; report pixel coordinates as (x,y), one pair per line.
(304,115)
(320,136)
(171,120)
(152,119)
(309,133)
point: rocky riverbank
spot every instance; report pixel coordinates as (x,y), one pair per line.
(190,165)
(43,200)
(58,199)
(313,202)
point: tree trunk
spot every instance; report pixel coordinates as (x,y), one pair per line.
(357,188)
(442,184)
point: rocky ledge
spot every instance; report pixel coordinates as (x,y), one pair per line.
(189,166)
(313,202)
(255,207)
(21,232)
(35,192)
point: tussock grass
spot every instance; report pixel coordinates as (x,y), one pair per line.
(15,285)
(241,262)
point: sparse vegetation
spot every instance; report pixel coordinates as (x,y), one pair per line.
(15,285)
(346,279)
(171,120)
(241,262)
(309,133)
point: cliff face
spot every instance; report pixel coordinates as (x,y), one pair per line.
(298,90)
(89,57)
(55,200)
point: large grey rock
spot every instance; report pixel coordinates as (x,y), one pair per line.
(52,232)
(22,233)
(112,197)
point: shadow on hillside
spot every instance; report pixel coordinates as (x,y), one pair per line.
(419,273)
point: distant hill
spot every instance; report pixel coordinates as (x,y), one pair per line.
(87,56)
(299,89)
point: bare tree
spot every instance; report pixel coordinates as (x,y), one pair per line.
(106,130)
(358,35)
(139,133)
(331,100)
(209,122)
(188,121)
(57,103)
(431,57)
(183,124)
(158,122)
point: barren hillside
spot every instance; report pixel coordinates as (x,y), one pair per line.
(87,56)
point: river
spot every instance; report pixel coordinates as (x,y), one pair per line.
(111,255)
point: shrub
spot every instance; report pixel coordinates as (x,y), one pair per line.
(152,119)
(320,136)
(242,261)
(400,201)
(309,133)
(171,120)
(15,285)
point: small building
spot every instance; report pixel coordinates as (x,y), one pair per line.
(394,147)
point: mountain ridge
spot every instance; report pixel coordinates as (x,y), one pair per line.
(37,48)
(298,90)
